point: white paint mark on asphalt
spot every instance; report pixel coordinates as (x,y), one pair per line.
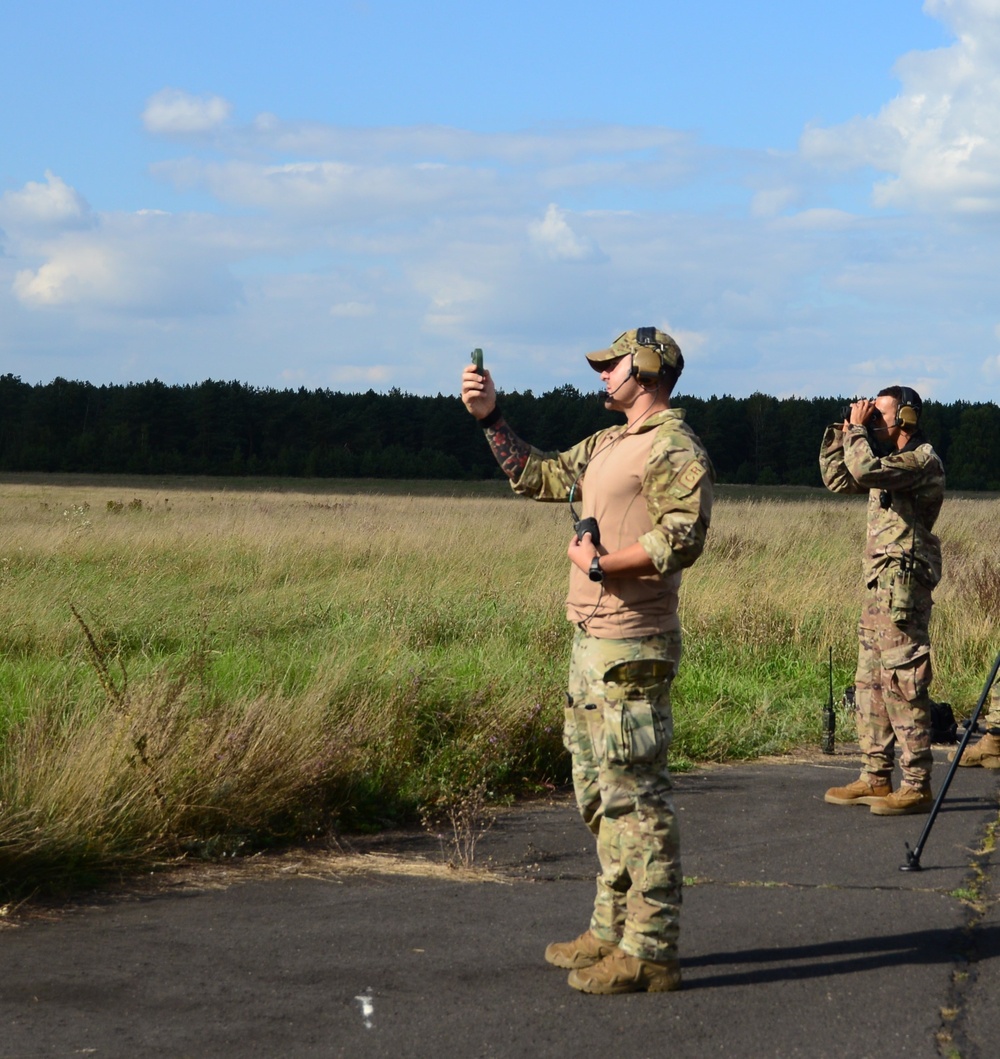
(366,1000)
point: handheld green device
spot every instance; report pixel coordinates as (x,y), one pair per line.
(477,359)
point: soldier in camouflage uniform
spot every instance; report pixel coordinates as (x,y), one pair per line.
(648,485)
(881,451)
(986,753)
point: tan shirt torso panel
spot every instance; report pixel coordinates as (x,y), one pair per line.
(612,493)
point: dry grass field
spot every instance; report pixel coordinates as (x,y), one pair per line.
(198,668)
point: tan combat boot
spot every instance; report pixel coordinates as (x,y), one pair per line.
(904,802)
(584,951)
(865,791)
(984,754)
(622,973)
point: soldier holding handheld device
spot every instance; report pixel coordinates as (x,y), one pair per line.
(645,495)
(880,450)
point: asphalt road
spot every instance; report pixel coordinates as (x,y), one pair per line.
(800,937)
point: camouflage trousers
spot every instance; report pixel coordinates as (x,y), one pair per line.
(894,672)
(618,727)
(990,717)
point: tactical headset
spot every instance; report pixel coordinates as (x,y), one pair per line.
(648,367)
(908,409)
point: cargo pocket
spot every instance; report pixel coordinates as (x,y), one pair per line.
(571,722)
(907,670)
(637,712)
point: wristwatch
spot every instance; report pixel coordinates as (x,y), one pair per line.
(595,573)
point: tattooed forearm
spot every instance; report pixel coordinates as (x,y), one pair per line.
(510,451)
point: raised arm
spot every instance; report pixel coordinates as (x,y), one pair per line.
(480,397)
(836,477)
(898,470)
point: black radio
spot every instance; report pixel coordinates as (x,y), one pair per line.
(588,525)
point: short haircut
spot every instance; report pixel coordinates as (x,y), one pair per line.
(669,374)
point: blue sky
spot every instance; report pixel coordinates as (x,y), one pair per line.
(354,194)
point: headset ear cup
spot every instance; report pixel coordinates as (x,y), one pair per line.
(646,366)
(906,416)
(908,409)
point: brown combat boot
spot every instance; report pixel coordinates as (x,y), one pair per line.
(622,973)
(904,802)
(984,754)
(865,791)
(584,951)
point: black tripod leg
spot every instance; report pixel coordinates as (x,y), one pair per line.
(913,855)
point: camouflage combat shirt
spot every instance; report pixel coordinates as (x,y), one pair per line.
(651,483)
(905,492)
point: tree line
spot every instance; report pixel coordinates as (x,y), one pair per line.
(229,428)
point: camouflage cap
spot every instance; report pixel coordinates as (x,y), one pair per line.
(630,342)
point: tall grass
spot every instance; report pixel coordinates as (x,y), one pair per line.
(188,671)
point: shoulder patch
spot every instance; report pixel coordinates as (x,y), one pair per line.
(691,474)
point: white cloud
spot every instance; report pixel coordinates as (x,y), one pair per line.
(145,264)
(553,237)
(691,342)
(366,173)
(773,304)
(939,139)
(172,112)
(636,149)
(325,190)
(923,373)
(963,15)
(67,277)
(452,296)
(52,203)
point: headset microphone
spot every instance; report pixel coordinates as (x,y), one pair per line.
(610,393)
